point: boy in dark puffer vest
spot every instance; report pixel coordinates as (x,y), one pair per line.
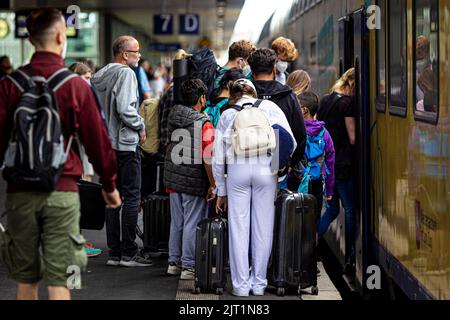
(188,175)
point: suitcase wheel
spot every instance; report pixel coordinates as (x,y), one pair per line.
(315,291)
(197,290)
(219,291)
(281,292)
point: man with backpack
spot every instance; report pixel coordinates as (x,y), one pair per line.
(117,89)
(43,109)
(238,54)
(262,62)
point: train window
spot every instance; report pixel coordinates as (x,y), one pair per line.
(398,96)
(426,57)
(313,52)
(381,60)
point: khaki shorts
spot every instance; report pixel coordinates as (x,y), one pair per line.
(42,238)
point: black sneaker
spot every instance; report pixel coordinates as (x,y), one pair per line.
(139,260)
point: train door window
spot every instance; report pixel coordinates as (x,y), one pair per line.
(426,61)
(398,96)
(381,60)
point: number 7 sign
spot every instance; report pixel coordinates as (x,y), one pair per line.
(163,24)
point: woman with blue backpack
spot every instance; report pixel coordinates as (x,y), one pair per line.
(318,165)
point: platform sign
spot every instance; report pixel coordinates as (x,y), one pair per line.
(189,24)
(163,24)
(165,47)
(21,25)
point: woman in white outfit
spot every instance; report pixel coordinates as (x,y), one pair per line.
(248,189)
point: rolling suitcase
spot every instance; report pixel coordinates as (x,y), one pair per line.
(156,222)
(210,256)
(92,206)
(294,256)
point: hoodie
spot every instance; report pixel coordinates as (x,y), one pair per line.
(117,89)
(286,100)
(313,128)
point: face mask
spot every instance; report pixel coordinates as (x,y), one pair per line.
(282,66)
(247,71)
(64,51)
(88,81)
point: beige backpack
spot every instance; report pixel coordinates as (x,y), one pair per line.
(252,134)
(150,112)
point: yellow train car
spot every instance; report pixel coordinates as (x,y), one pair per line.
(401,51)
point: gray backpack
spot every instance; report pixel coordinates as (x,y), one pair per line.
(35,156)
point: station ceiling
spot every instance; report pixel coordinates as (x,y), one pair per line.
(215,25)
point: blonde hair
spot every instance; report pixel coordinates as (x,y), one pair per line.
(181,54)
(80,68)
(346,82)
(286,48)
(299,81)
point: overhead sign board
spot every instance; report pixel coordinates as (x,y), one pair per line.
(163,24)
(165,47)
(189,24)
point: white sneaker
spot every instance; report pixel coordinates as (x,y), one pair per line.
(174,270)
(258,293)
(187,274)
(113,262)
(241,295)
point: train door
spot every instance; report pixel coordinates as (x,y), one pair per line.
(354,53)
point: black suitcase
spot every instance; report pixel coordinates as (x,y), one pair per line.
(210,256)
(156,222)
(92,206)
(294,254)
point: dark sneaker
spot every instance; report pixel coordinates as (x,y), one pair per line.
(139,260)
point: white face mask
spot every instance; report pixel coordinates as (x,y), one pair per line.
(247,71)
(282,66)
(64,51)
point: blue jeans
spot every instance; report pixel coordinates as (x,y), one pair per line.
(343,190)
(186,212)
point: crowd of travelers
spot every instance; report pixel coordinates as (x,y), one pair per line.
(106,133)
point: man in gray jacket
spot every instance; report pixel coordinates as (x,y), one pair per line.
(117,89)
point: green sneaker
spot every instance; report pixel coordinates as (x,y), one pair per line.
(92,252)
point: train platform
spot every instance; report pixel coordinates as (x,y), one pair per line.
(101,282)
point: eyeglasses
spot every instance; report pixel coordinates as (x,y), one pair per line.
(137,51)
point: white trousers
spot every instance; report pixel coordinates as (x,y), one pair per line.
(251,211)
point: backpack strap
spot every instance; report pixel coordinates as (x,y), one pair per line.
(322,133)
(20,79)
(59,78)
(258,103)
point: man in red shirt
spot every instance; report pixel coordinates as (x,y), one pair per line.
(50,221)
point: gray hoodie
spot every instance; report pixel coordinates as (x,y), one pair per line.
(117,89)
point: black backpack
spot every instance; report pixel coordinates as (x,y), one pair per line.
(203,66)
(35,156)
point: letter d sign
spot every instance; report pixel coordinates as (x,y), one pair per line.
(189,24)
